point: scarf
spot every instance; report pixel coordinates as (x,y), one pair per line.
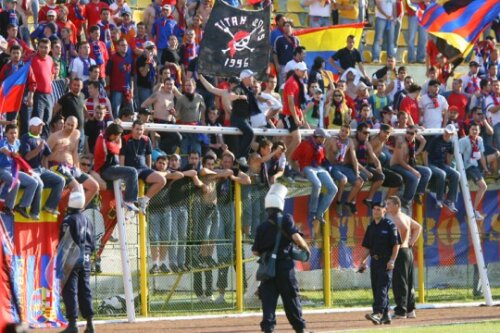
(411,153)
(190,51)
(190,97)
(78,12)
(434,100)
(302,93)
(361,153)
(316,152)
(337,116)
(96,50)
(495,100)
(86,65)
(475,147)
(341,150)
(152,69)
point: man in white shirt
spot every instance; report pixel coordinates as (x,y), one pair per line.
(433,107)
(492,106)
(319,12)
(470,82)
(80,66)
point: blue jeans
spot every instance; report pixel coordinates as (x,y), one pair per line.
(32,190)
(117,98)
(319,21)
(177,253)
(129,176)
(42,108)
(49,179)
(243,124)
(343,20)
(319,177)
(413,184)
(35,7)
(440,174)
(143,94)
(413,29)
(190,142)
(253,208)
(160,226)
(384,29)
(496,133)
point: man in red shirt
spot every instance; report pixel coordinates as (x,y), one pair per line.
(409,104)
(293,98)
(50,5)
(457,98)
(93,11)
(43,69)
(119,77)
(98,50)
(310,155)
(77,15)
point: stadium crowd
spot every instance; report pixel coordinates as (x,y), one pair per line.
(92,67)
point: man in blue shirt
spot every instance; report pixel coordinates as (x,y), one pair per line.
(163,27)
(34,149)
(9,147)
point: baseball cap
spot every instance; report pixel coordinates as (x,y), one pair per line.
(474,63)
(301,66)
(387,108)
(378,204)
(246,74)
(318,91)
(233,80)
(35,121)
(51,13)
(144,111)
(125,11)
(321,133)
(167,7)
(453,108)
(362,86)
(176,156)
(149,44)
(450,129)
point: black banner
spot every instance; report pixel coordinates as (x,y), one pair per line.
(235,40)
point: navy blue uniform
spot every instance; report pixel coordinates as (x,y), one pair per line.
(76,292)
(380,238)
(285,283)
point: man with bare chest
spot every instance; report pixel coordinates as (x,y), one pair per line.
(165,113)
(64,158)
(402,278)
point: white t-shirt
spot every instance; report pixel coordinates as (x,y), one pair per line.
(388,8)
(78,66)
(493,117)
(432,115)
(316,9)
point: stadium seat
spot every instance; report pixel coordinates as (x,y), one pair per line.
(298,20)
(401,39)
(404,57)
(138,16)
(369,37)
(404,25)
(293,6)
(367,56)
(383,57)
(276,6)
(142,4)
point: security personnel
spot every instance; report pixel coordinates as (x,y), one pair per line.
(77,287)
(381,242)
(284,283)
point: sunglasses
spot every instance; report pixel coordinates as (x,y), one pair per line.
(85,164)
(337,95)
(366,132)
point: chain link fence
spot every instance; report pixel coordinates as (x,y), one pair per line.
(191,255)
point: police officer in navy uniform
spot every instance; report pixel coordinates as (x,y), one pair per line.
(381,241)
(285,282)
(76,292)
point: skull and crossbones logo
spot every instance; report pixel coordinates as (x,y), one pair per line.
(239,41)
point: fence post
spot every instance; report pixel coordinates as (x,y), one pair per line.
(471,219)
(143,251)
(420,256)
(327,280)
(239,247)
(127,275)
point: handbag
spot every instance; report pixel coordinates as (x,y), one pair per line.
(296,253)
(267,260)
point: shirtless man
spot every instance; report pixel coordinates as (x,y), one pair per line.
(164,112)
(341,154)
(392,180)
(403,161)
(402,278)
(227,95)
(64,159)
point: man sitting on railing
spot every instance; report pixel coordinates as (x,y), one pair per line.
(136,152)
(64,159)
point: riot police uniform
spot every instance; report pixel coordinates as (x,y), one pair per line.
(380,239)
(76,291)
(285,283)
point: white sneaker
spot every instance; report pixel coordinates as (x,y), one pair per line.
(130,206)
(143,204)
(439,204)
(478,215)
(220,299)
(412,314)
(451,206)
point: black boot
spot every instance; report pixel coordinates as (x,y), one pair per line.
(72,328)
(90,326)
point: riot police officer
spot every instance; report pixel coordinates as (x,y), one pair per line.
(77,286)
(284,283)
(381,242)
